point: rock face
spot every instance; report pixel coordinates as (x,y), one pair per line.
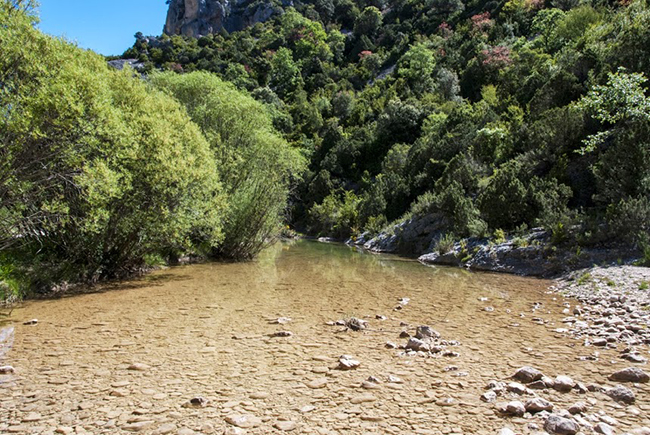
(202,17)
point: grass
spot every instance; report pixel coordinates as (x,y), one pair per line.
(644,285)
(584,279)
(445,244)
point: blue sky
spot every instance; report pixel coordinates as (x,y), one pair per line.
(105,26)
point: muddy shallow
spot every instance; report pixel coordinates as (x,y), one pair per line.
(204,330)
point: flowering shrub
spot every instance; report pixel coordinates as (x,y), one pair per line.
(498,56)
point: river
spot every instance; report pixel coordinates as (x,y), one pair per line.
(131,356)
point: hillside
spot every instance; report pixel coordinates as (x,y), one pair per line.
(488,115)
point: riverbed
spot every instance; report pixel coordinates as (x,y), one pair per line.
(196,349)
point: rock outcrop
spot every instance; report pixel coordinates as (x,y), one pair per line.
(202,17)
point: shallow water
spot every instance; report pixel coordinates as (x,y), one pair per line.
(203,330)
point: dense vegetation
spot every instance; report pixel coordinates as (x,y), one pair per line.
(103,173)
(497,115)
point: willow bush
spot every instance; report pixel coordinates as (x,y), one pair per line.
(257,165)
(98,170)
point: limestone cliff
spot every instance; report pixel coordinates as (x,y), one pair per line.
(202,17)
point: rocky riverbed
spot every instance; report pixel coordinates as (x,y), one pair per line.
(319,339)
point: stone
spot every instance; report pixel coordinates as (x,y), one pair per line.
(635,358)
(514,408)
(489,396)
(31,417)
(317,383)
(259,395)
(281,321)
(621,394)
(282,334)
(555,424)
(517,388)
(363,398)
(563,384)
(31,322)
(356,324)
(578,408)
(426,332)
(243,421)
(346,362)
(538,405)
(370,385)
(196,402)
(417,345)
(527,375)
(604,429)
(139,367)
(630,374)
(506,431)
(394,379)
(6,370)
(166,428)
(285,426)
(446,401)
(137,426)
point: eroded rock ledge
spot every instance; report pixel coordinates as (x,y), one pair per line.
(202,17)
(532,254)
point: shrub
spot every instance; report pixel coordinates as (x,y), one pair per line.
(98,168)
(336,216)
(445,244)
(256,164)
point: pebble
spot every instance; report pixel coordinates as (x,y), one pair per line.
(137,426)
(243,421)
(139,367)
(363,398)
(6,370)
(424,332)
(446,401)
(489,396)
(285,426)
(318,383)
(166,428)
(196,402)
(346,362)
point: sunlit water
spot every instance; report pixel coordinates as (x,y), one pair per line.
(204,330)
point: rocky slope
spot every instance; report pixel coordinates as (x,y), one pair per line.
(201,17)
